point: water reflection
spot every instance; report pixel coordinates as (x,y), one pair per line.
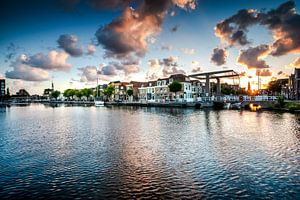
(130,152)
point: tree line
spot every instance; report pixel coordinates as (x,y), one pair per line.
(70,94)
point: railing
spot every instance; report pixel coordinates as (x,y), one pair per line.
(237,98)
(226,98)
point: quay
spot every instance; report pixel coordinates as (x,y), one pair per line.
(265,102)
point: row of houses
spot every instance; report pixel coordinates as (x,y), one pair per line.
(159,90)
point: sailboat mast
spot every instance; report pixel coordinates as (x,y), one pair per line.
(97,88)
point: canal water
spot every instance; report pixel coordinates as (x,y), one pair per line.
(147,153)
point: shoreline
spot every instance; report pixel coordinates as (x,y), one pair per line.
(195,105)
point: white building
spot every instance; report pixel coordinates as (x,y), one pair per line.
(158,91)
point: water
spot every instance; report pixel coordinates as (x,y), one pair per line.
(149,153)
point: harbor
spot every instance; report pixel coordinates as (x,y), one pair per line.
(125,152)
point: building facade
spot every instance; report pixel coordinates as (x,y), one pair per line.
(158,91)
(120,92)
(294,85)
(2,87)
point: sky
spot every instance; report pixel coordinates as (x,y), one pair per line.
(74,42)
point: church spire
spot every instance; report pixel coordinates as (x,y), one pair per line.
(52,85)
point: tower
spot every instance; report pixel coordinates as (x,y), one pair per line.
(249,87)
(52,85)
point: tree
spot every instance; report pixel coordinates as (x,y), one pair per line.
(108,91)
(69,93)
(129,92)
(55,94)
(87,92)
(275,86)
(175,87)
(78,93)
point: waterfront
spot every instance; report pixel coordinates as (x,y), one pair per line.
(164,153)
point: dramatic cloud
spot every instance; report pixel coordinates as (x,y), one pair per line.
(53,61)
(252,57)
(283,22)
(264,72)
(219,56)
(233,29)
(91,49)
(129,34)
(25,72)
(188,51)
(68,43)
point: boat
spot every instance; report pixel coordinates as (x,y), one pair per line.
(98,101)
(236,106)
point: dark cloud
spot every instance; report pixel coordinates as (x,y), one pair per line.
(128,34)
(264,72)
(252,57)
(283,22)
(219,56)
(109,70)
(68,43)
(233,29)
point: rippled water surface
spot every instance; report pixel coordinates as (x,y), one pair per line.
(151,153)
